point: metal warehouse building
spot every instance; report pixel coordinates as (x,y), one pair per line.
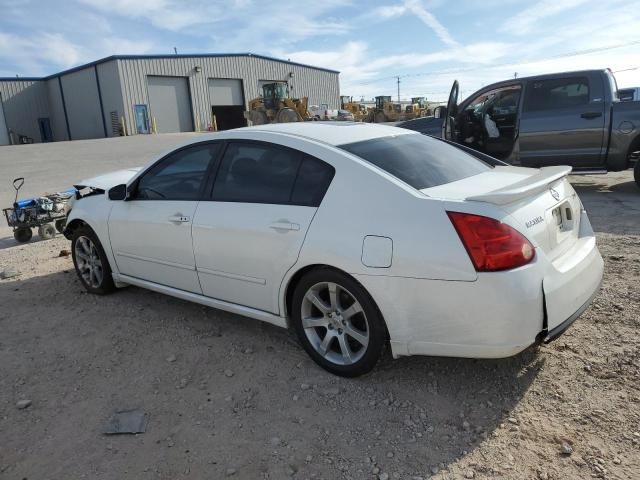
(127,95)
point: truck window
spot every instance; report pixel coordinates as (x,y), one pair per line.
(556,94)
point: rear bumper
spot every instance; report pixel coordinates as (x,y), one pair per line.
(548,336)
(571,281)
(498,315)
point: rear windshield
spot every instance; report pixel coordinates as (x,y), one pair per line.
(418,160)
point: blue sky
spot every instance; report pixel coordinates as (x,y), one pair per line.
(426,42)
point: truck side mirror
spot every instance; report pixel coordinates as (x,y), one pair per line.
(440,111)
(119,192)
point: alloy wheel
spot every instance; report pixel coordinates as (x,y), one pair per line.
(335,323)
(88,261)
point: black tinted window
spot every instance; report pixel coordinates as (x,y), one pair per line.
(313,180)
(179,176)
(418,160)
(556,94)
(262,173)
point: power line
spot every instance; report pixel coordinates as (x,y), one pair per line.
(575,53)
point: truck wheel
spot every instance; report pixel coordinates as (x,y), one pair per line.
(23,234)
(636,172)
(46,231)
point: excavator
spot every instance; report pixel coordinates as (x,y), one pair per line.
(358,110)
(275,106)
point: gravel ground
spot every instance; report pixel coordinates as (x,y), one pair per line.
(226,396)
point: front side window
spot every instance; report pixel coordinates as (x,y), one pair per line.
(418,160)
(556,94)
(180,176)
(503,101)
(263,173)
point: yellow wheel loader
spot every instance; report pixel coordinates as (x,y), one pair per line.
(275,106)
(358,110)
(385,111)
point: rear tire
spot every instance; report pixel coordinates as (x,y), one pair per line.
(23,234)
(46,231)
(338,323)
(90,261)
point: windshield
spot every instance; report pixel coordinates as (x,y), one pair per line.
(418,160)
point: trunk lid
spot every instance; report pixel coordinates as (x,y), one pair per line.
(540,203)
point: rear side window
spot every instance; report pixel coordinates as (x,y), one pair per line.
(313,180)
(556,94)
(264,173)
(419,160)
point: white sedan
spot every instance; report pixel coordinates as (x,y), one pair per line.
(357,236)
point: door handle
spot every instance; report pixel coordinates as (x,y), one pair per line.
(178,218)
(284,225)
(591,115)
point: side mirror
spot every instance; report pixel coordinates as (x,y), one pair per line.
(440,111)
(119,192)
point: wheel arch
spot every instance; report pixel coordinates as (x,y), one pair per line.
(72,226)
(634,146)
(293,281)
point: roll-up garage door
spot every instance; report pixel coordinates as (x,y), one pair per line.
(227,103)
(170,104)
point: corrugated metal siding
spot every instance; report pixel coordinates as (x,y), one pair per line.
(320,86)
(111,91)
(24,102)
(58,124)
(83,105)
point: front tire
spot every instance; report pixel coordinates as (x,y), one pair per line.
(636,172)
(338,323)
(22,234)
(90,261)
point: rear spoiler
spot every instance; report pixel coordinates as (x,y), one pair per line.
(524,188)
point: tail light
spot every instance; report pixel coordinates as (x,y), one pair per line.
(492,245)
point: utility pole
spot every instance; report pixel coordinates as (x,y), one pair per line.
(175,50)
(398,80)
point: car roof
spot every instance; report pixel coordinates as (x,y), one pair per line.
(333,133)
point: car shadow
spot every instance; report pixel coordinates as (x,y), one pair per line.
(412,414)
(10,242)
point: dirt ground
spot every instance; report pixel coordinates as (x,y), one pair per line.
(226,396)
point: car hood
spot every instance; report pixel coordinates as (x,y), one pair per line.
(108,180)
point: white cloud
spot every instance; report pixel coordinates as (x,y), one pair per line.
(363,74)
(34,51)
(387,12)
(164,14)
(524,22)
(418,9)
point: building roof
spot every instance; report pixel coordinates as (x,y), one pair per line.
(167,56)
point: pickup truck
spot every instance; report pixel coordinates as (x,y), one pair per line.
(573,118)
